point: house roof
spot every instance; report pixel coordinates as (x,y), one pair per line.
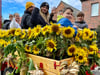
(66,5)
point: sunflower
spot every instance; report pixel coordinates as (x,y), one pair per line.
(81,58)
(72,50)
(35,50)
(68,32)
(18,32)
(93,49)
(86,33)
(5,44)
(55,28)
(83,51)
(37,30)
(2,33)
(77,38)
(45,29)
(27,48)
(23,34)
(30,33)
(51,44)
(12,31)
(79,34)
(7,33)
(2,42)
(91,35)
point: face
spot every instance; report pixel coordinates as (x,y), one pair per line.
(54,10)
(68,14)
(44,9)
(17,17)
(80,18)
(10,18)
(31,9)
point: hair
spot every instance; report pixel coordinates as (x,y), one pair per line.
(10,15)
(15,14)
(80,14)
(68,8)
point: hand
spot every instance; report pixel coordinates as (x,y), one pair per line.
(36,10)
(75,26)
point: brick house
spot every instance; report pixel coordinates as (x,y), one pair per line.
(63,5)
(91,8)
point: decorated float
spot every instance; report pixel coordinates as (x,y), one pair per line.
(51,50)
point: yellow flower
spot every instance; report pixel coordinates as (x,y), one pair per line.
(27,48)
(45,29)
(68,32)
(12,31)
(14,40)
(7,33)
(35,50)
(79,34)
(2,42)
(29,32)
(72,50)
(93,49)
(51,44)
(91,35)
(18,32)
(37,30)
(55,28)
(77,38)
(5,44)
(86,33)
(81,58)
(23,34)
(2,33)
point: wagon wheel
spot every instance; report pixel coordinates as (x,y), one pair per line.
(8,71)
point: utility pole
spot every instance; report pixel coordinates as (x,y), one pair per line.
(0,15)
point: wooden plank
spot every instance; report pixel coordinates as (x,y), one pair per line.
(48,64)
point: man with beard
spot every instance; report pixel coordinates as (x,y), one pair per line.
(25,23)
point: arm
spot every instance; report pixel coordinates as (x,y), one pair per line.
(34,16)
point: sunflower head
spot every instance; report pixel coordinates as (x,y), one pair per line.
(12,31)
(27,48)
(35,50)
(55,28)
(86,33)
(45,29)
(93,49)
(51,45)
(72,50)
(68,32)
(18,32)
(37,30)
(81,58)
(23,34)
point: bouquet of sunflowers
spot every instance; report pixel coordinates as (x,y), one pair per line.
(56,42)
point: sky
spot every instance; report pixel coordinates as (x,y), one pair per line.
(13,6)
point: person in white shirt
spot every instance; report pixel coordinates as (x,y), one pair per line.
(15,23)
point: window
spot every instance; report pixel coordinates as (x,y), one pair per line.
(95,9)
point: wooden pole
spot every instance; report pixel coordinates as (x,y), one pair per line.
(0,15)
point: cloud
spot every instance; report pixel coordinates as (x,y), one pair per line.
(12,6)
(74,3)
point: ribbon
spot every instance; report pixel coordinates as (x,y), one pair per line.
(72,69)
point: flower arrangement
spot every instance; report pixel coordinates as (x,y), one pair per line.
(56,42)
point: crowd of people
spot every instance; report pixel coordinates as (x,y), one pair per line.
(34,16)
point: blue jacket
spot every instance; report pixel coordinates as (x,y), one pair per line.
(66,22)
